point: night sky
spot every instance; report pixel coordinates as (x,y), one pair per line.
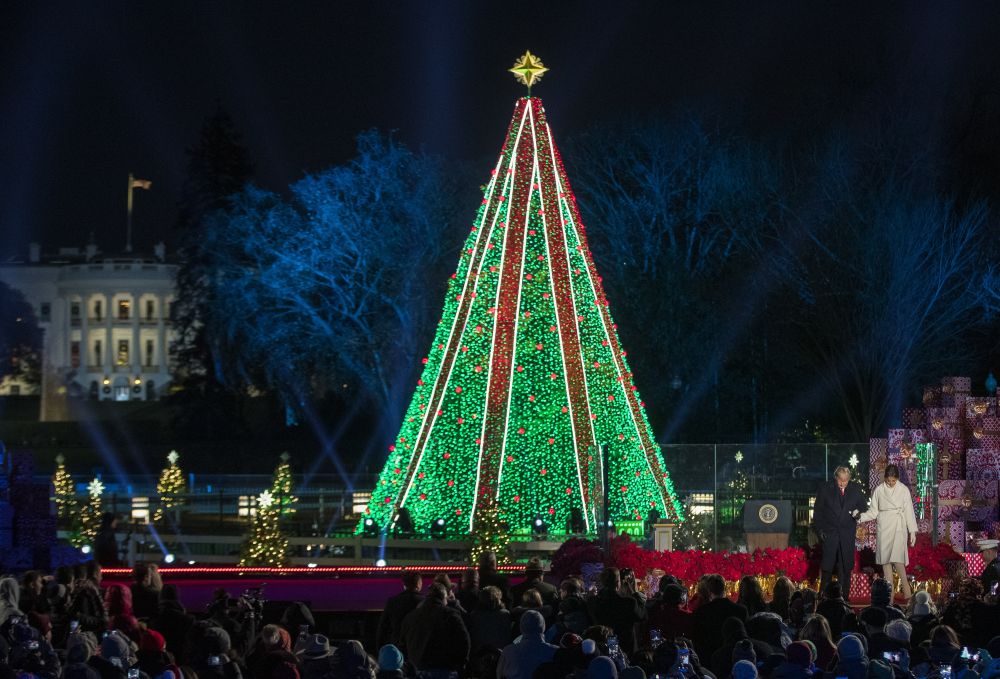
(91,91)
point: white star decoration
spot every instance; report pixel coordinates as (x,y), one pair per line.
(853,461)
(739,456)
(95,488)
(265,499)
(173,457)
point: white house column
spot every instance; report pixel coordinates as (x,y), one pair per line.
(161,335)
(109,352)
(84,334)
(134,349)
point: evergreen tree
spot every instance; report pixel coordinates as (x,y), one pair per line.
(218,167)
(170,487)
(65,492)
(693,533)
(491,535)
(281,487)
(90,515)
(266,545)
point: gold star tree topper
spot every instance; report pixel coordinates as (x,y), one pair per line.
(528,69)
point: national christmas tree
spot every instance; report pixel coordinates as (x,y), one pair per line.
(526,378)
(170,487)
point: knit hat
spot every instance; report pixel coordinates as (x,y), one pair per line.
(744,650)
(390,658)
(316,646)
(80,646)
(813,653)
(152,641)
(570,640)
(532,622)
(672,594)
(899,630)
(114,646)
(881,592)
(588,647)
(215,641)
(876,617)
(602,667)
(850,648)
(921,609)
(798,653)
(922,597)
(744,669)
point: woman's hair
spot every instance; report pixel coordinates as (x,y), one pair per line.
(531,599)
(783,590)
(943,635)
(891,471)
(816,629)
(490,598)
(751,593)
(118,600)
(702,589)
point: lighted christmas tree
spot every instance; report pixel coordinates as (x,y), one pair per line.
(693,533)
(492,535)
(266,544)
(90,514)
(65,491)
(526,378)
(170,487)
(281,487)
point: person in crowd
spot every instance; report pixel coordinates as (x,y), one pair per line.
(152,657)
(669,616)
(520,660)
(990,577)
(210,652)
(668,661)
(27,652)
(173,622)
(87,607)
(146,590)
(10,600)
(534,578)
(106,550)
(767,628)
(851,660)
(881,597)
(443,580)
(114,657)
(599,668)
(782,597)
(468,589)
(817,632)
(873,621)
(838,506)
(352,662)
(572,615)
(922,618)
(711,615)
(619,606)
(797,663)
(390,663)
(531,600)
(892,509)
(271,639)
(489,622)
(944,646)
(118,604)
(750,595)
(433,636)
(833,607)
(316,658)
(490,576)
(732,632)
(969,615)
(275,665)
(898,633)
(80,648)
(390,624)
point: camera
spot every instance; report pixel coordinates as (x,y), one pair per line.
(655,637)
(613,647)
(74,626)
(133,673)
(214,661)
(891,656)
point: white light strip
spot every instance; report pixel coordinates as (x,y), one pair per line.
(433,403)
(605,318)
(496,312)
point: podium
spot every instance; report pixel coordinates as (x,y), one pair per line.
(663,536)
(767,523)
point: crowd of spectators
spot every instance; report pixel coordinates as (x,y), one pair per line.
(69,624)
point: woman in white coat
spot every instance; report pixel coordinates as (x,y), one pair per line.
(892,506)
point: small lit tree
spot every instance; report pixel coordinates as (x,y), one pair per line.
(281,487)
(266,545)
(693,533)
(90,514)
(491,535)
(171,486)
(65,491)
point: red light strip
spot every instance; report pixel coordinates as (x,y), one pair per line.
(304,570)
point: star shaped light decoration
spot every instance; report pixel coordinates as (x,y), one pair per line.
(173,457)
(95,488)
(265,499)
(528,69)
(853,461)
(739,456)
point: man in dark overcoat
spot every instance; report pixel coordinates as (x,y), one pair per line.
(835,518)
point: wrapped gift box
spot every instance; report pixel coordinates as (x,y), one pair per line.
(897,436)
(951,466)
(990,442)
(953,532)
(957,385)
(943,432)
(982,465)
(878,452)
(978,407)
(932,396)
(946,414)
(914,418)
(954,401)
(967,501)
(991,424)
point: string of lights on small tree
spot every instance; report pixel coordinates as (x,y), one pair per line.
(267,544)
(91,512)
(281,487)
(171,486)
(64,489)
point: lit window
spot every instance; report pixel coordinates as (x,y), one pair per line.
(124,307)
(123,352)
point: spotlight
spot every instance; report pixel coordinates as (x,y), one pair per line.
(310,565)
(538,526)
(192,562)
(371,528)
(137,381)
(438,528)
(380,563)
(85,549)
(169,558)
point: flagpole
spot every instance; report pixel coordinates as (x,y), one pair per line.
(128,220)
